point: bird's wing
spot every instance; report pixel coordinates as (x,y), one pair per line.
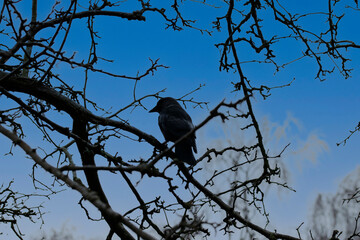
(175,123)
(172,127)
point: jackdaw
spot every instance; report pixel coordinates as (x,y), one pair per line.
(174,123)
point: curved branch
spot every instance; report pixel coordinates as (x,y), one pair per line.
(116,218)
(92,177)
(136,15)
(61,102)
(230,210)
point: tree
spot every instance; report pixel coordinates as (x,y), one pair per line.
(338,211)
(38,96)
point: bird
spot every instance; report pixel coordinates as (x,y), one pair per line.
(174,123)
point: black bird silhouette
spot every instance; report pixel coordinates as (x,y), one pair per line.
(174,123)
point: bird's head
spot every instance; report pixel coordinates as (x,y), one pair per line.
(164,103)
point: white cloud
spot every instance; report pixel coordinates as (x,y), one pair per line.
(311,148)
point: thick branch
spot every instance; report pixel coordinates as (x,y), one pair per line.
(61,102)
(116,218)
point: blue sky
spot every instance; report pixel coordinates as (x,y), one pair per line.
(325,109)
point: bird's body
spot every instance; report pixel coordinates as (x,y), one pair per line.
(174,123)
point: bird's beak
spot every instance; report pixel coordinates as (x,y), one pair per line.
(155,109)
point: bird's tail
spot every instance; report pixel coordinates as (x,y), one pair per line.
(184,153)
